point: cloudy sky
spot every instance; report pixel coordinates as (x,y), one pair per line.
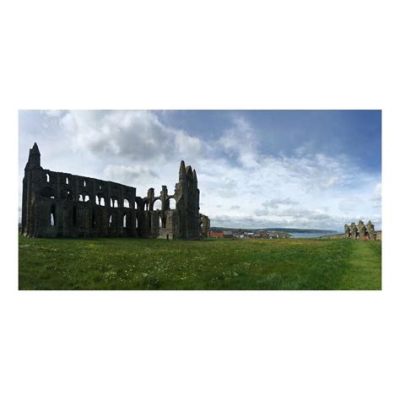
(302,169)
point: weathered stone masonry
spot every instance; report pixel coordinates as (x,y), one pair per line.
(360,231)
(58,204)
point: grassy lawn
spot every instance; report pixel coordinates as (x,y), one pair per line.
(209,264)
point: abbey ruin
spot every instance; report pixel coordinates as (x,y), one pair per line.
(360,231)
(58,204)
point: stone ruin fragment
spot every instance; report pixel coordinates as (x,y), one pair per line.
(360,231)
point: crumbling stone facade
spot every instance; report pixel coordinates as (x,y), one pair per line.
(58,204)
(360,231)
(204,225)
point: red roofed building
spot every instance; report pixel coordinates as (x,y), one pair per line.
(215,234)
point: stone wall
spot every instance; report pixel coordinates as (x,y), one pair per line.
(204,225)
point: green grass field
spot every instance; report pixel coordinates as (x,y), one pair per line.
(209,264)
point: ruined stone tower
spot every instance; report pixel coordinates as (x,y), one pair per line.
(58,204)
(187,203)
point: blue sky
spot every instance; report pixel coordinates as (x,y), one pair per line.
(354,133)
(305,169)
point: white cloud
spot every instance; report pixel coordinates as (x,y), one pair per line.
(129,175)
(135,135)
(240,142)
(239,184)
(53,113)
(303,190)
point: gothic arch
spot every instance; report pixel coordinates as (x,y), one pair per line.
(157,205)
(172,203)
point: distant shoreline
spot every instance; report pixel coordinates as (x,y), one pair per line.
(286,230)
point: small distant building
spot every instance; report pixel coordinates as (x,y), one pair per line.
(264,235)
(216,234)
(228,234)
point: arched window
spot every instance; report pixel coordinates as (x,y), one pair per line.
(111,203)
(157,205)
(67,180)
(115,203)
(172,204)
(136,205)
(126,203)
(80,197)
(53,215)
(84,183)
(124,221)
(97,199)
(110,221)
(102,201)
(87,198)
(137,222)
(47,178)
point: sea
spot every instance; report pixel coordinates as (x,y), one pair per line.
(310,235)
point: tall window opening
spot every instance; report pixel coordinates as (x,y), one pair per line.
(126,203)
(124,221)
(67,180)
(110,221)
(172,204)
(47,178)
(53,215)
